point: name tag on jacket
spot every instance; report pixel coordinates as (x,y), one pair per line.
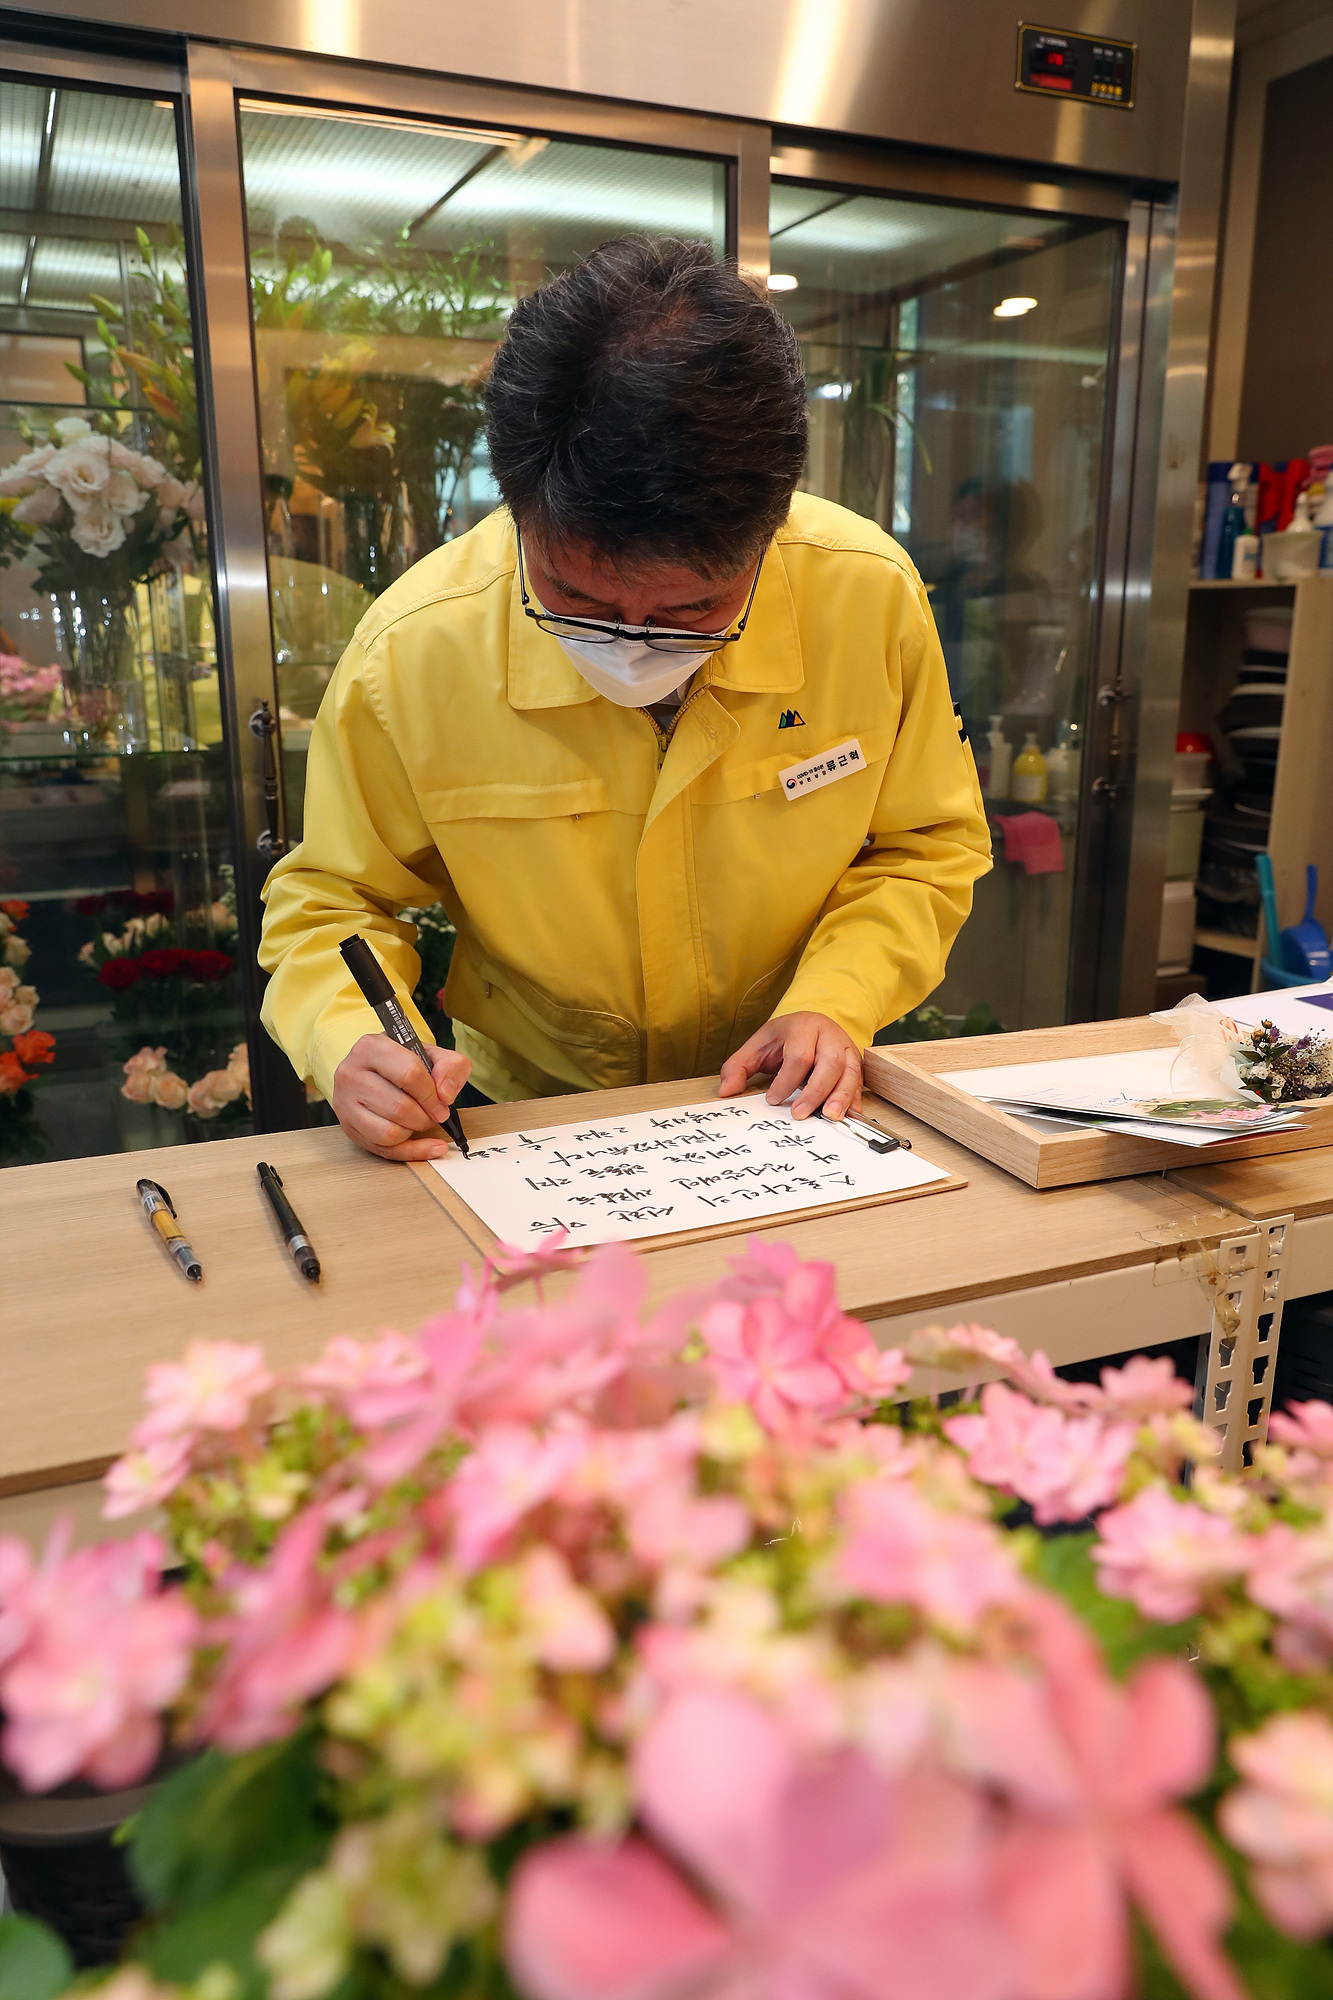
(825,769)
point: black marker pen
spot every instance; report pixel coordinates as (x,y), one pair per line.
(369,975)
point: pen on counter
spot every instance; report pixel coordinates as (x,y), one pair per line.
(369,975)
(289,1222)
(870,1135)
(158,1206)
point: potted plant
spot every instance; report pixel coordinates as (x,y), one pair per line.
(574,1653)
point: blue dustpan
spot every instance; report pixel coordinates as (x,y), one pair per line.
(1305,945)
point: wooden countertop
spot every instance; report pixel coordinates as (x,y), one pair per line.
(92,1298)
(1297,1183)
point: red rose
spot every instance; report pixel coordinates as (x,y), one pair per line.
(90,906)
(166,961)
(35,1047)
(16,910)
(118,973)
(209,964)
(148,901)
(13,1076)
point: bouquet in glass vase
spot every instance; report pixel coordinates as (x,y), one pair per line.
(99,516)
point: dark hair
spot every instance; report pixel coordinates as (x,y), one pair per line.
(650,404)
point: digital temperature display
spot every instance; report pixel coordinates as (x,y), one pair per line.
(1055,62)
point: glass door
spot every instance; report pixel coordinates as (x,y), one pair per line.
(121,1023)
(959,362)
(385,258)
(385,255)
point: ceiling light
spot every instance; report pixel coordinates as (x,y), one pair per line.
(1014,308)
(831,391)
(782,281)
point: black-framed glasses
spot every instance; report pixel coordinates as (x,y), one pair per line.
(661,638)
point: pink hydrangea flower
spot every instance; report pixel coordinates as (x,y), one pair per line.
(210,1389)
(145,1478)
(93,1650)
(901,1550)
(1281,1818)
(375,1381)
(511,1471)
(1305,1426)
(1291,1574)
(573,1634)
(1091,1771)
(1164,1554)
(778,1340)
(1143,1388)
(1065,1467)
(829,1878)
(285,1640)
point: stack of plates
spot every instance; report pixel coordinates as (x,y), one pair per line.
(1252,724)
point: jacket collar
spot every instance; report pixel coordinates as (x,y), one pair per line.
(766,659)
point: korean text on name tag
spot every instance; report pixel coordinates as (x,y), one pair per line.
(825,769)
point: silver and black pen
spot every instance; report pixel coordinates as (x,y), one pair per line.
(874,1136)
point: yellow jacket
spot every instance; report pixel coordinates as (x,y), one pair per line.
(627,914)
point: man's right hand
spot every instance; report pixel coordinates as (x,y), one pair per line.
(387,1103)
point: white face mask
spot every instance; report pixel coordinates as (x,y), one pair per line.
(630,673)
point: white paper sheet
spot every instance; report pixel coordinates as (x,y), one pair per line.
(1128,1128)
(1296,1010)
(655,1173)
(1126,1086)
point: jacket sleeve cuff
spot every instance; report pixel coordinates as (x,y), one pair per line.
(342,1024)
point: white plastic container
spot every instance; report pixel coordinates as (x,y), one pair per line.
(1175,943)
(1191,771)
(1184,841)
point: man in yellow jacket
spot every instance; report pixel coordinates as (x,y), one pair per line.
(671,743)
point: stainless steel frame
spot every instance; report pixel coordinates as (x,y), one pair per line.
(1158,583)
(932,76)
(767,72)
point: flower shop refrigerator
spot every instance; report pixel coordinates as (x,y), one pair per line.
(248,298)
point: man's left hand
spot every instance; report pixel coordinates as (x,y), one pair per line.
(810,1054)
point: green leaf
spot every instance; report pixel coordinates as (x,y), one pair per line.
(221,1818)
(105,306)
(223,1930)
(1064,1564)
(145,245)
(34,1962)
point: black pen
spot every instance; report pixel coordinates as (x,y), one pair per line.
(162,1214)
(369,975)
(289,1222)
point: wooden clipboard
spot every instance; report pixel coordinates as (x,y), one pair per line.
(543,1114)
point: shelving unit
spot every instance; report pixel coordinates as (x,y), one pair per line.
(1301,825)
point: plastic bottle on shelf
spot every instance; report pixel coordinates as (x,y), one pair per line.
(1064,769)
(1029,783)
(1001,758)
(1233,521)
(1323,521)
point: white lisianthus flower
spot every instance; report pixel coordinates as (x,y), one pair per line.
(81,469)
(194,500)
(112,945)
(70,429)
(16,1018)
(87,953)
(6,924)
(155,924)
(171,495)
(9,979)
(145,471)
(23,475)
(17,951)
(38,507)
(125,496)
(98,528)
